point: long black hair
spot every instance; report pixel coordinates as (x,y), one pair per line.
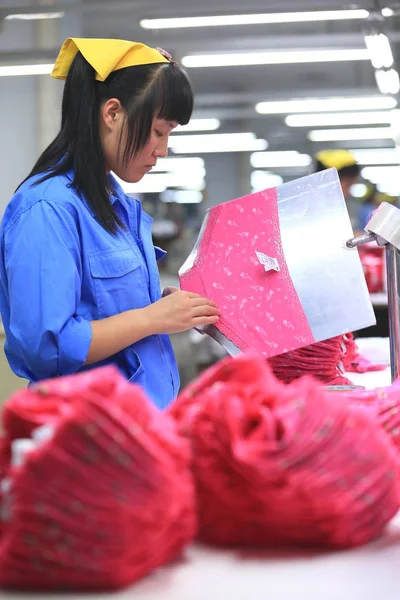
(159,90)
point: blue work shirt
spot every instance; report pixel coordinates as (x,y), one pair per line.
(60,269)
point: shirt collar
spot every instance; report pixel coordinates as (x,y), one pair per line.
(116,190)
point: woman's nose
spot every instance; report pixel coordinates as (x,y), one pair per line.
(162,149)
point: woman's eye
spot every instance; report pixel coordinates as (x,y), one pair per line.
(158,133)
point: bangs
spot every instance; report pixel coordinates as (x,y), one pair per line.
(174,94)
(161,91)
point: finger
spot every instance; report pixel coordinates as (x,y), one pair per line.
(205,311)
(200,301)
(197,321)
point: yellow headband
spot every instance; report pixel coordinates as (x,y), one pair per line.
(336,158)
(106,56)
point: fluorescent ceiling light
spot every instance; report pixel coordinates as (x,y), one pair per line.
(211,138)
(235,59)
(387,81)
(249,146)
(199,125)
(160,182)
(358,190)
(177,164)
(289,158)
(262,180)
(152,184)
(217,142)
(381,174)
(377,156)
(387,12)
(327,119)
(389,187)
(253,19)
(182,196)
(15,70)
(380,51)
(367,133)
(35,16)
(325,105)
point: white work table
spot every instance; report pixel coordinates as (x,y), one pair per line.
(371,572)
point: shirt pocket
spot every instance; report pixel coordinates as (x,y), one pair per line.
(159,252)
(119,281)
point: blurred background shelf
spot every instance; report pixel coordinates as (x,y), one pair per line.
(379,299)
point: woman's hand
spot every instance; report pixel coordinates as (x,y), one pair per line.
(180,311)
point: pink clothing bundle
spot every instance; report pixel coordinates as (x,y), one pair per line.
(354,361)
(322,360)
(284,464)
(327,361)
(119,488)
(107,499)
(384,405)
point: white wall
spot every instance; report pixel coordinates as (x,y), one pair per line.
(17,127)
(17,115)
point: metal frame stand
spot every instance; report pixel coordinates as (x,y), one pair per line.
(384,229)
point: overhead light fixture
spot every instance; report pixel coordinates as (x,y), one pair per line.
(380,51)
(331,104)
(343,118)
(392,188)
(339,135)
(381,174)
(388,81)
(377,156)
(151,184)
(284,158)
(182,196)
(358,190)
(262,180)
(178,164)
(199,125)
(254,19)
(35,16)
(217,142)
(387,12)
(15,70)
(271,57)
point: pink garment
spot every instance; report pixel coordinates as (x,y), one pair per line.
(259,309)
(105,501)
(284,464)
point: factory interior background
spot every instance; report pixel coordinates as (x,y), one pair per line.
(273,87)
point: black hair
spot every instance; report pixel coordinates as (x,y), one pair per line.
(350,171)
(160,90)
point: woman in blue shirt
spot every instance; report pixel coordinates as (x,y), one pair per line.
(78,270)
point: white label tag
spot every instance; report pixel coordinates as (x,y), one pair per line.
(269,263)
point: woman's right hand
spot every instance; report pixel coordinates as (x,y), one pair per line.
(180,311)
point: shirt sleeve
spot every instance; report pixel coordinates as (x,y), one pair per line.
(44,275)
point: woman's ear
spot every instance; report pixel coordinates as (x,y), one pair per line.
(111,113)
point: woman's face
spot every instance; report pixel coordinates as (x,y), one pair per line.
(113,120)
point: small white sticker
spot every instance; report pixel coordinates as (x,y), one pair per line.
(269,263)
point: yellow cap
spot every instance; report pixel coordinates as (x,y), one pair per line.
(382,197)
(106,56)
(336,158)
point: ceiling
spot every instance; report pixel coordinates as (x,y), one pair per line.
(230,93)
